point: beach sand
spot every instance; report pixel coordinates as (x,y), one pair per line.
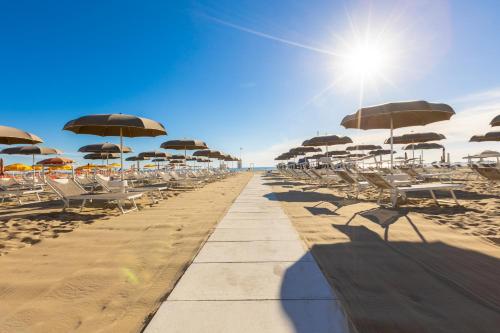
(419,268)
(101,272)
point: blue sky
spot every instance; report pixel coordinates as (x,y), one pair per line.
(242,73)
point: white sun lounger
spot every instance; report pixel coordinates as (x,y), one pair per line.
(382,185)
(69,190)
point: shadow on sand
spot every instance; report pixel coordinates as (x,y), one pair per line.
(409,286)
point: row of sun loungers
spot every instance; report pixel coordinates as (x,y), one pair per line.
(398,185)
(96,187)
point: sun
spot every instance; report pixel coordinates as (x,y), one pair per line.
(365,61)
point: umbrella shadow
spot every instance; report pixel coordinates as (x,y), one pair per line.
(403,286)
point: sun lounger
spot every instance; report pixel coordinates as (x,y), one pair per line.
(20,193)
(150,190)
(382,185)
(491,174)
(425,176)
(69,190)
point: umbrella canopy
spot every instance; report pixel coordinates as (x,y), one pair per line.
(150,166)
(105,147)
(159,160)
(176,157)
(420,146)
(208,153)
(122,125)
(176,162)
(14,136)
(101,156)
(18,167)
(495,121)
(30,150)
(490,136)
(202,159)
(63,167)
(304,150)
(155,154)
(488,153)
(136,158)
(55,161)
(379,152)
(363,147)
(88,167)
(115,125)
(397,115)
(416,138)
(326,140)
(356,155)
(185,144)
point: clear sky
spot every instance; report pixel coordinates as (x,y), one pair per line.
(262,75)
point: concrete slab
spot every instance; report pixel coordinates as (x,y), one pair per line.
(252,224)
(269,316)
(232,234)
(244,281)
(253,251)
(252,275)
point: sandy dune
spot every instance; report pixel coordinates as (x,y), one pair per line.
(101,274)
(419,268)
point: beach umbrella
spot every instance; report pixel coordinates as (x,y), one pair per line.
(105,147)
(398,115)
(55,161)
(101,156)
(18,167)
(122,125)
(30,150)
(363,147)
(415,138)
(155,154)
(137,159)
(495,121)
(380,152)
(14,136)
(184,144)
(326,141)
(490,136)
(63,167)
(298,151)
(423,146)
(176,157)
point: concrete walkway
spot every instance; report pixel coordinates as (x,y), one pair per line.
(252,275)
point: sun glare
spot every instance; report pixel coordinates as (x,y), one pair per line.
(364,62)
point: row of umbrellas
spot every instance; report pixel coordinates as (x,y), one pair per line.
(121,125)
(391,116)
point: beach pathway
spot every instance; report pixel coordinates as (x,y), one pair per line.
(253,274)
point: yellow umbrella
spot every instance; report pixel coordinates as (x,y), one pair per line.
(18,167)
(150,166)
(88,167)
(114,165)
(60,167)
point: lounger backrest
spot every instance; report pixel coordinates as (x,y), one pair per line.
(376,180)
(490,173)
(344,175)
(66,187)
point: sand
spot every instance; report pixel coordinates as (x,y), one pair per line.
(419,268)
(101,272)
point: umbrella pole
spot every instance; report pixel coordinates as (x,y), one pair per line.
(121,153)
(392,142)
(33,167)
